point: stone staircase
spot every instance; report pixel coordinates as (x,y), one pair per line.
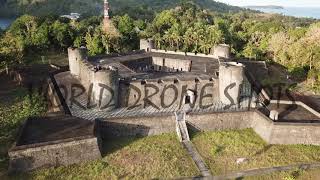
(197,159)
(181,126)
(183,135)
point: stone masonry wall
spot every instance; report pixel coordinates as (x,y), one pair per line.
(220,121)
(262,125)
(289,133)
(139,126)
(167,93)
(286,133)
(64,153)
(86,75)
(271,132)
(169,64)
(147,126)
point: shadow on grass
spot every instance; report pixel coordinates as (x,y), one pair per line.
(114,136)
(111,145)
(193,130)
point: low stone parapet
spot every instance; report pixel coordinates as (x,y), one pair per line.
(53,141)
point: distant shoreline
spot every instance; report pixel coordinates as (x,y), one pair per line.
(265,7)
(299,12)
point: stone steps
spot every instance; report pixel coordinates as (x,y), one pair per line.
(182,132)
(196,158)
(182,129)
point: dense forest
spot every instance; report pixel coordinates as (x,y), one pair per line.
(291,42)
(134,8)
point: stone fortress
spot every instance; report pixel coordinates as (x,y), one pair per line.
(159,79)
(149,92)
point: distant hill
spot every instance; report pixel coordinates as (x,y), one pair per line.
(9,8)
(265,7)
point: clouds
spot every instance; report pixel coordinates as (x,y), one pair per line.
(301,3)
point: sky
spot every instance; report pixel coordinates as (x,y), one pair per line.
(288,3)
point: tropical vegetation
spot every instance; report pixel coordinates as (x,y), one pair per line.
(287,41)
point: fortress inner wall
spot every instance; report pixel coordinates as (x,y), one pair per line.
(158,64)
(163,94)
(86,74)
(140,64)
(169,64)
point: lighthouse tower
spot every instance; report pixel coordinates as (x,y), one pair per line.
(106,10)
(108,26)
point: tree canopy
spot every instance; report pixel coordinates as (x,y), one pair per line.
(291,42)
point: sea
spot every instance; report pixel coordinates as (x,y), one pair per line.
(309,12)
(5,22)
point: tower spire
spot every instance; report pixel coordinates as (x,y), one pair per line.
(106,10)
(108,26)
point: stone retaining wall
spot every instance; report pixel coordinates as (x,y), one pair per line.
(138,126)
(289,133)
(26,158)
(286,133)
(262,125)
(221,121)
(271,132)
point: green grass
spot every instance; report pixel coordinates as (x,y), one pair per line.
(130,158)
(289,175)
(12,114)
(220,151)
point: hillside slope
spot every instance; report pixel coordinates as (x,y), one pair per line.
(94,7)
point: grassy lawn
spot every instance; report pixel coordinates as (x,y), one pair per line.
(289,175)
(221,150)
(12,114)
(130,158)
(15,106)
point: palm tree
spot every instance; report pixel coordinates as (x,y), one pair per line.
(168,39)
(215,35)
(158,40)
(205,46)
(197,35)
(106,41)
(177,32)
(188,39)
